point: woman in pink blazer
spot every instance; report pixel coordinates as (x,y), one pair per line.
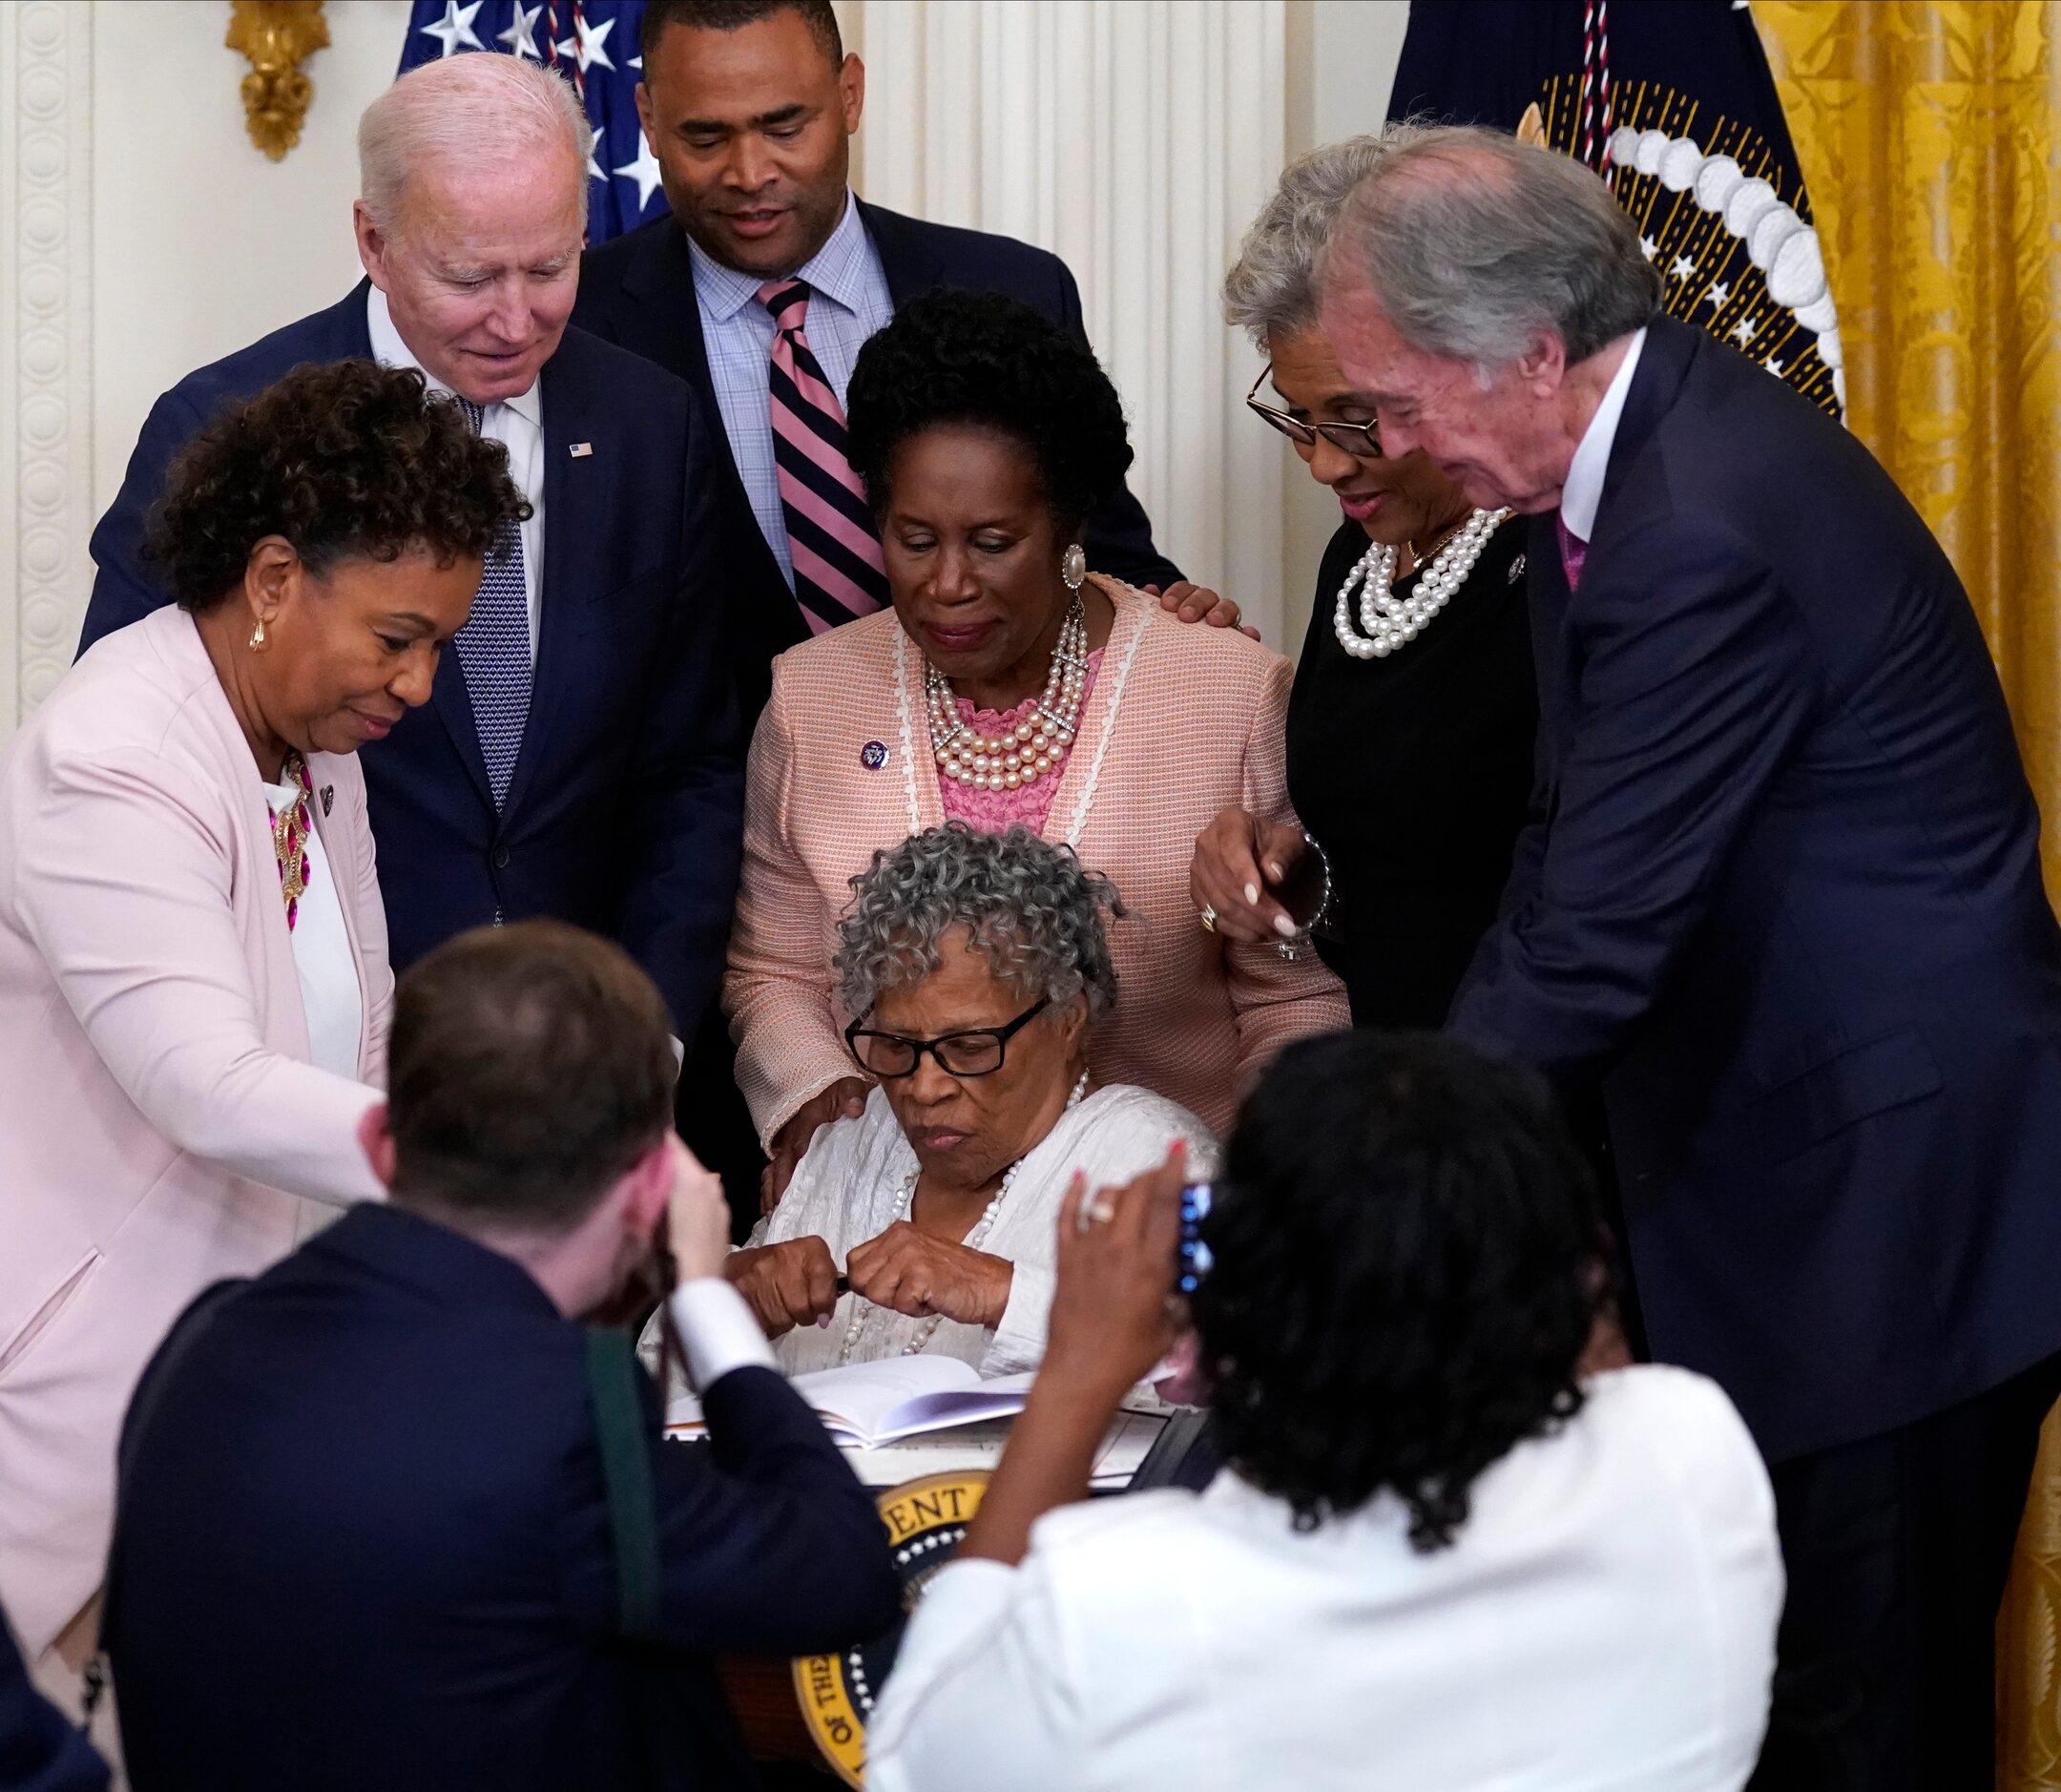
(1007,684)
(194,987)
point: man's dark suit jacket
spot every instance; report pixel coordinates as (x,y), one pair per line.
(625,813)
(40,1751)
(638,290)
(1788,900)
(362,1540)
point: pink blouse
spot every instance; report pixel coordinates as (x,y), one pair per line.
(995,811)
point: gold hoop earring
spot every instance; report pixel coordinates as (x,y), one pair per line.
(257,639)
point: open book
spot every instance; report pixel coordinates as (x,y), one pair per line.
(865,1404)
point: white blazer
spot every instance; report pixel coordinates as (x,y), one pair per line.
(1603,1622)
(155,1091)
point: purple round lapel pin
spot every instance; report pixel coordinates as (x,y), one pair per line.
(873,755)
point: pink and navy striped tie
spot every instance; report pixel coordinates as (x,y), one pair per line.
(830,534)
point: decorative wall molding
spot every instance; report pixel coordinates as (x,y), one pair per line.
(46,396)
(1136,139)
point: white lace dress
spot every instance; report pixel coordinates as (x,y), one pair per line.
(845,1187)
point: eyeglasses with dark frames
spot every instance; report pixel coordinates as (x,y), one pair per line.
(978,1053)
(1362,440)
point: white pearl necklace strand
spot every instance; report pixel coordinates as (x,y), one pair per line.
(1391,621)
(1033,748)
(864,1309)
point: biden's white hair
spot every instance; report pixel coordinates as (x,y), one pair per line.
(465,107)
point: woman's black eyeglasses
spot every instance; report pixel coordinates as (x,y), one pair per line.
(1359,439)
(975,1053)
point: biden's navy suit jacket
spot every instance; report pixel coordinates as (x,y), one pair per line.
(1784,895)
(362,1539)
(625,811)
(638,290)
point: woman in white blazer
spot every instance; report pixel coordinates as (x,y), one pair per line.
(1442,1556)
(193,987)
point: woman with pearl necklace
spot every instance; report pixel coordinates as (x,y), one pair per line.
(1411,724)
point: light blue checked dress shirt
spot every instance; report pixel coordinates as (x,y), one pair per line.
(849,302)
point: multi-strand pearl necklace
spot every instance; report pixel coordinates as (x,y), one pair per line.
(864,1309)
(1033,747)
(1390,621)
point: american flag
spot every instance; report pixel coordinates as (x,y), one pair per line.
(594,44)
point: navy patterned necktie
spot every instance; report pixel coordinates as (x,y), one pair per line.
(493,648)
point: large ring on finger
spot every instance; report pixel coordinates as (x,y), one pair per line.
(1097,1210)
(1207,915)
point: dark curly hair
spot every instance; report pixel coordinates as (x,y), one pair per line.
(1409,1256)
(346,459)
(978,358)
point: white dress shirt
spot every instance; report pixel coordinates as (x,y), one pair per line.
(516,423)
(1603,1622)
(851,301)
(1583,489)
(718,1332)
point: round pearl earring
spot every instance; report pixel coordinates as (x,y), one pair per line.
(1073,567)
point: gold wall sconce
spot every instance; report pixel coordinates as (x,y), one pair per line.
(277,36)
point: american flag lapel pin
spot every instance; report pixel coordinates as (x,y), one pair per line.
(582,451)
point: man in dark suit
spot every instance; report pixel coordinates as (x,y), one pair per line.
(749,107)
(1783,898)
(390,1516)
(581,755)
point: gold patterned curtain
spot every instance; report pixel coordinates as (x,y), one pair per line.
(1929,134)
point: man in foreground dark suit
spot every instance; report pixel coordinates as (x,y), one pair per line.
(390,1516)
(1783,897)
(581,755)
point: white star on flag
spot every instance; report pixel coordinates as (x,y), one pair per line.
(1683,268)
(517,37)
(644,171)
(1743,331)
(1719,295)
(1648,247)
(454,29)
(594,165)
(1776,368)
(589,50)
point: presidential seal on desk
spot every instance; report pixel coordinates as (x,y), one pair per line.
(926,1522)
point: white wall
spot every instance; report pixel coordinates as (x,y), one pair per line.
(1342,62)
(146,235)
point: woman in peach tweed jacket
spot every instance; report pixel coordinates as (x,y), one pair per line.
(983,436)
(1181,721)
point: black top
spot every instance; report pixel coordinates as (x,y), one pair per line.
(1413,773)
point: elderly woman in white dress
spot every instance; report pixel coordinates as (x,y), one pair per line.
(977,965)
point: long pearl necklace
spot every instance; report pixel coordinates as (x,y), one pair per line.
(1390,621)
(1033,748)
(864,1309)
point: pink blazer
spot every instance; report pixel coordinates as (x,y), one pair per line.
(1182,721)
(155,1091)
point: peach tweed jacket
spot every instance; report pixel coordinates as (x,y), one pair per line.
(1183,721)
(156,1095)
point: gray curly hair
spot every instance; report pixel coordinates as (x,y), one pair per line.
(1031,910)
(1272,287)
